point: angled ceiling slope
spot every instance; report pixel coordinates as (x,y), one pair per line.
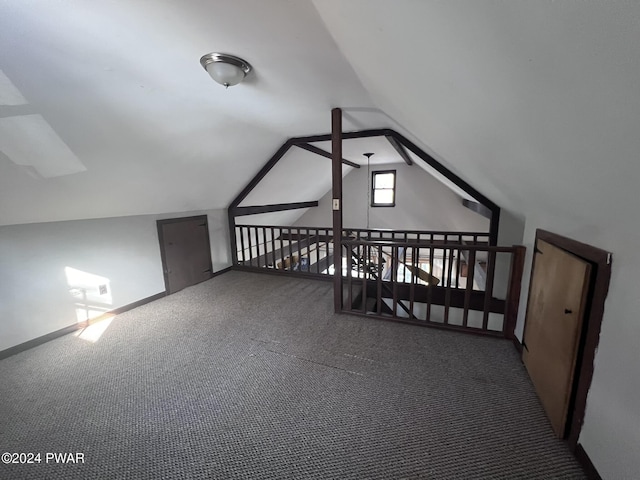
(141,128)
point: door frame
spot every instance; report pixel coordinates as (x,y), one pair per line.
(160,223)
(600,261)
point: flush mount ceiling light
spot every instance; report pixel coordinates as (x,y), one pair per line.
(227,70)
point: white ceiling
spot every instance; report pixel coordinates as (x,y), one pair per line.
(120,84)
(527,101)
(534,103)
(354,148)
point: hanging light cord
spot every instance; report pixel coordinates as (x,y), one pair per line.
(369,186)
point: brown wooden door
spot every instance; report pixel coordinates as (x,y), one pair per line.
(555,312)
(185,251)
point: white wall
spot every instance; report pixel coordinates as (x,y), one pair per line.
(122,252)
(422,203)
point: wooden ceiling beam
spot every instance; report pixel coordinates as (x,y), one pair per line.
(477,207)
(278,207)
(318,151)
(400,149)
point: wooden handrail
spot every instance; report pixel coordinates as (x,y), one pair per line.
(383,230)
(425,232)
(427,244)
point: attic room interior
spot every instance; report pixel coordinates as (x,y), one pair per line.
(402,245)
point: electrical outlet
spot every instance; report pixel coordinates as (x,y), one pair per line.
(102,289)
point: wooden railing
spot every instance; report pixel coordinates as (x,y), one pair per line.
(446,279)
(310,249)
(451,285)
(285,249)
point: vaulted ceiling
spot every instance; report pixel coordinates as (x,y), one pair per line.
(105,110)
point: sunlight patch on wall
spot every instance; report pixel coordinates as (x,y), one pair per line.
(29,141)
(91,293)
(93,332)
(9,93)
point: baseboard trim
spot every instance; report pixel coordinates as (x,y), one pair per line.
(39,341)
(587,464)
(517,344)
(76,326)
(224,270)
(137,304)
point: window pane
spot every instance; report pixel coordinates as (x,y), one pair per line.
(383,196)
(383,180)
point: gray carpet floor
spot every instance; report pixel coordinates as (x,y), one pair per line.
(253,376)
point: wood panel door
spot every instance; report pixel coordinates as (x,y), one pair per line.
(555,313)
(185,251)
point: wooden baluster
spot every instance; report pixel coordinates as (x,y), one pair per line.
(273,248)
(299,247)
(264,239)
(430,286)
(458,257)
(404,259)
(308,252)
(316,237)
(326,245)
(379,293)
(488,289)
(447,292)
(290,235)
(250,246)
(394,260)
(362,266)
(471,267)
(349,249)
(394,283)
(412,287)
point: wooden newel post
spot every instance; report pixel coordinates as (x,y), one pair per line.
(336,205)
(513,292)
